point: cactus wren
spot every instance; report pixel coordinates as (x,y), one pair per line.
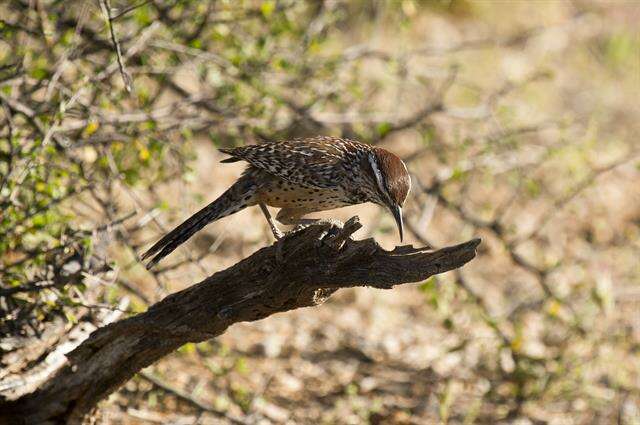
(301,177)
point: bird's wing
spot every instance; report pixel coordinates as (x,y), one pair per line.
(319,161)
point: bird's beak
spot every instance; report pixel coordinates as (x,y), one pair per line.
(397,214)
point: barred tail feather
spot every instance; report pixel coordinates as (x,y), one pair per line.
(236,198)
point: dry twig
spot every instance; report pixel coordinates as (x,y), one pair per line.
(126,78)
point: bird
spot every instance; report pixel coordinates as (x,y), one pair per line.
(300,177)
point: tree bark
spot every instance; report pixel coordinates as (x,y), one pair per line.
(303,269)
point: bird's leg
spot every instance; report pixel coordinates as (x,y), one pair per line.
(277,233)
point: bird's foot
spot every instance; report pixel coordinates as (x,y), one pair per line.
(299,227)
(306,222)
(277,233)
(333,227)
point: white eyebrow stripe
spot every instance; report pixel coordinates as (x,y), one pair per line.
(407,171)
(377,173)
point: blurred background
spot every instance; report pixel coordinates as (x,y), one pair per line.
(518,120)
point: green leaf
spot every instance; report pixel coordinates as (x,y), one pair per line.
(458,174)
(241,366)
(533,188)
(188,348)
(383,128)
(267,7)
(39,221)
(39,73)
(71,318)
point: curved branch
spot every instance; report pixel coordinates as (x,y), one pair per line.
(303,269)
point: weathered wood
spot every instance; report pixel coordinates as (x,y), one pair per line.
(303,269)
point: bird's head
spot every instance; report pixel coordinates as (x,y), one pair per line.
(392,182)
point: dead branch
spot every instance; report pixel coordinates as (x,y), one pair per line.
(303,269)
(126,78)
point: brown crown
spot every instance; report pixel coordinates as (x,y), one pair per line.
(395,173)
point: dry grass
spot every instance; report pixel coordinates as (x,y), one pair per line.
(535,150)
